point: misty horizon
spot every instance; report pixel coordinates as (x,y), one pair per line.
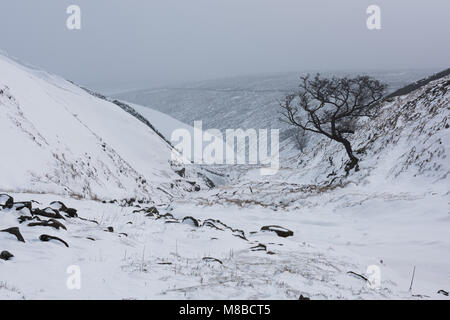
(154,44)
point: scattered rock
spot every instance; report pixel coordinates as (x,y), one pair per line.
(240,234)
(195,185)
(216,223)
(6,255)
(47,238)
(211,259)
(47,212)
(166,216)
(190,221)
(259,247)
(71,212)
(21,205)
(152,211)
(357,275)
(58,205)
(6,201)
(280,231)
(48,223)
(16,232)
(443,292)
(211,225)
(181,172)
(22,219)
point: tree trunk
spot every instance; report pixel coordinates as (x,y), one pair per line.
(353,160)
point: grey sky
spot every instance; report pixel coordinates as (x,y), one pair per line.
(156,42)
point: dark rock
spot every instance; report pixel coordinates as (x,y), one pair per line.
(195,185)
(166,216)
(211,225)
(123,234)
(239,234)
(24,204)
(22,219)
(280,231)
(171,221)
(259,247)
(71,212)
(219,225)
(47,212)
(443,292)
(128,202)
(210,259)
(190,221)
(49,223)
(270,252)
(47,238)
(6,255)
(302,297)
(6,201)
(89,238)
(110,229)
(181,172)
(357,276)
(16,232)
(60,206)
(152,211)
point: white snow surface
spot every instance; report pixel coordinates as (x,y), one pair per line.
(392,213)
(57,138)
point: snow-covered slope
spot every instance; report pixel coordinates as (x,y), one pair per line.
(241,102)
(162,122)
(407,146)
(309,230)
(57,138)
(392,213)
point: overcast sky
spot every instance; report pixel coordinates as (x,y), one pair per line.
(157,42)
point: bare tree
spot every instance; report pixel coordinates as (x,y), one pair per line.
(300,138)
(332,106)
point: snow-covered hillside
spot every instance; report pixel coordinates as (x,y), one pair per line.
(242,102)
(311,230)
(57,138)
